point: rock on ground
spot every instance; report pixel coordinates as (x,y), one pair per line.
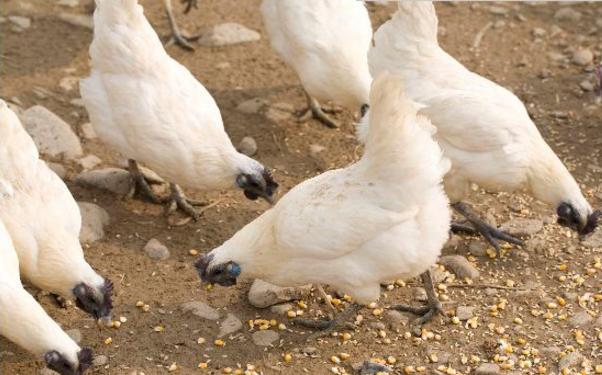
(200,309)
(230,325)
(51,134)
(94,219)
(572,359)
(395,318)
(248,146)
(88,131)
(522,227)
(254,105)
(583,57)
(265,338)
(79,20)
(100,360)
(115,180)
(228,34)
(88,162)
(281,309)
(460,266)
(464,312)
(264,294)
(156,250)
(594,240)
(488,369)
(581,319)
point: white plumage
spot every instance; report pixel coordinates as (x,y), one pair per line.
(382,218)
(482,127)
(326,42)
(151,109)
(42,218)
(22,319)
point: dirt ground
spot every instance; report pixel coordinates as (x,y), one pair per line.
(534,64)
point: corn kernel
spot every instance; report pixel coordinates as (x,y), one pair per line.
(561,301)
(159,329)
(200,340)
(291,314)
(108,341)
(335,359)
(336,301)
(302,304)
(409,370)
(391,360)
(281,326)
(421,369)
(193,252)
(344,356)
(377,312)
(139,304)
(562,267)
(346,336)
(116,324)
(455,320)
(173,367)
(518,320)
(598,369)
(219,343)
(238,371)
(433,357)
(288,358)
(203,365)
(227,370)
(146,308)
(123,319)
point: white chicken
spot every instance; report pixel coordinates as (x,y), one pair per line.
(482,127)
(326,42)
(44,222)
(384,217)
(24,322)
(151,109)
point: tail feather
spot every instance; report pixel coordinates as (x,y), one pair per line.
(397,138)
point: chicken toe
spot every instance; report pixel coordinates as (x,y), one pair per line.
(327,326)
(432,308)
(141,184)
(315,110)
(178,200)
(177,36)
(491,234)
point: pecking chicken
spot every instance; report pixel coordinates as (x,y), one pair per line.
(151,109)
(24,322)
(326,42)
(44,222)
(384,217)
(482,127)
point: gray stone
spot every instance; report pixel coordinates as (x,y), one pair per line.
(230,325)
(277,114)
(88,162)
(539,32)
(522,227)
(94,219)
(265,338)
(460,266)
(419,294)
(281,309)
(594,240)
(254,105)
(79,20)
(51,134)
(586,85)
(20,21)
(200,309)
(488,369)
(583,57)
(88,131)
(395,318)
(550,352)
(115,180)
(581,319)
(156,250)
(58,169)
(477,248)
(248,146)
(464,312)
(572,359)
(309,350)
(264,294)
(100,360)
(228,34)
(378,326)
(567,14)
(75,335)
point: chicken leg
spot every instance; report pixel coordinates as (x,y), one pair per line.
(432,307)
(141,184)
(327,326)
(324,296)
(177,200)
(491,234)
(178,36)
(316,111)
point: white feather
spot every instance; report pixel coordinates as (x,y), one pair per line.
(150,108)
(326,42)
(384,217)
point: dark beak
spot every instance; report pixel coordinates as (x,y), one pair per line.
(223,274)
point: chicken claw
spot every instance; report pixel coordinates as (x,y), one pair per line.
(141,184)
(327,326)
(491,234)
(315,110)
(433,306)
(178,36)
(178,200)
(371,368)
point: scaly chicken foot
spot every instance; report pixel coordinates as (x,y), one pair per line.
(316,111)
(371,368)
(491,234)
(427,312)
(324,296)
(177,36)
(325,326)
(178,200)
(141,184)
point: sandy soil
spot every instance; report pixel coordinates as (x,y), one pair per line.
(509,53)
